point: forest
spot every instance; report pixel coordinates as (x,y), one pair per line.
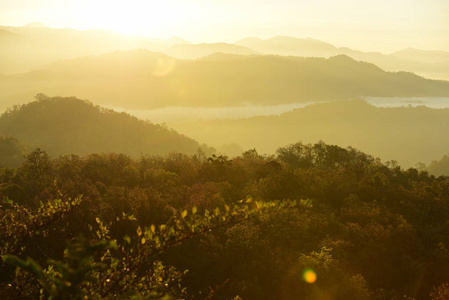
(243,163)
(313,221)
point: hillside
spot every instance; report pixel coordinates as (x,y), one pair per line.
(35,47)
(439,167)
(423,55)
(12,152)
(289,46)
(405,134)
(195,51)
(72,126)
(427,63)
(141,79)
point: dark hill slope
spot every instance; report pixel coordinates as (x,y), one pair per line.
(69,125)
(12,152)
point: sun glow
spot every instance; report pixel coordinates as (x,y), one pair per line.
(153,18)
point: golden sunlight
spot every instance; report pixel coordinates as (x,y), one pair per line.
(134,17)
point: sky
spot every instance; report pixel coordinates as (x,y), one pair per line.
(380,25)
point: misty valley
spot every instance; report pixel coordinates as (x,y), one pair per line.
(279,168)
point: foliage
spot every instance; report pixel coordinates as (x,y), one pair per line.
(105,268)
(367,229)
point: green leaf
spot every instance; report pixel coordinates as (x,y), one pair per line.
(127,239)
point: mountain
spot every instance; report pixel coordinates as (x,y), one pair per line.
(405,134)
(72,126)
(429,56)
(141,79)
(6,36)
(195,51)
(289,46)
(12,151)
(36,25)
(439,167)
(175,40)
(433,64)
(220,56)
(39,46)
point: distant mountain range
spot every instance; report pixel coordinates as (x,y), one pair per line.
(71,126)
(289,46)
(434,64)
(405,134)
(35,45)
(192,51)
(141,79)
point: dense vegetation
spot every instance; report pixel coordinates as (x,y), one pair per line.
(72,126)
(368,230)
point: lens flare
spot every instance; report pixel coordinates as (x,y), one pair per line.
(309,276)
(163,67)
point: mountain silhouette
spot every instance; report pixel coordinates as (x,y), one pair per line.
(141,79)
(194,51)
(61,126)
(406,134)
(289,46)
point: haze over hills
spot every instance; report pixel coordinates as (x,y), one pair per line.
(422,62)
(141,79)
(423,55)
(35,47)
(257,150)
(195,51)
(39,45)
(406,134)
(12,151)
(72,126)
(289,46)
(36,25)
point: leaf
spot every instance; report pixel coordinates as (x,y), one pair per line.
(139,231)
(143,240)
(152,228)
(127,239)
(194,210)
(184,214)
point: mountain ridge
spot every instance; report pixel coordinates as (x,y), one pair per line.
(68,125)
(141,79)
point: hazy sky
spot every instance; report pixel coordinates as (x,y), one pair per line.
(382,25)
